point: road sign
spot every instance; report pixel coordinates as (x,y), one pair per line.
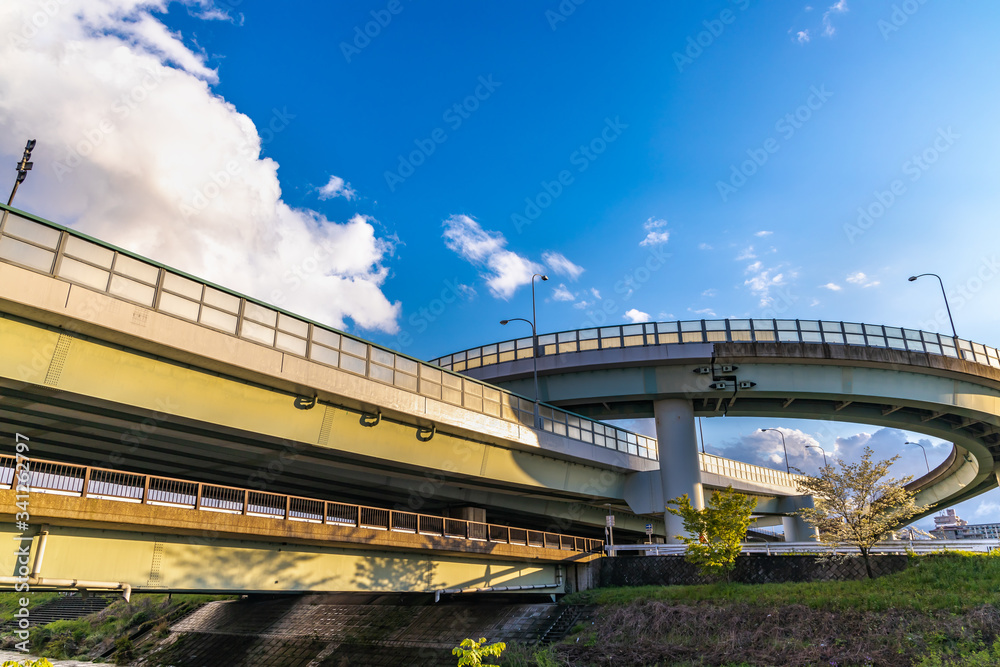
(610,521)
(649,529)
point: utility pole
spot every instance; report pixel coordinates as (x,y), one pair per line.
(22,168)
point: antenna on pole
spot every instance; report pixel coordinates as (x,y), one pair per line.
(22,168)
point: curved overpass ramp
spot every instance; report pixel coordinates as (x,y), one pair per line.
(111,359)
(870,374)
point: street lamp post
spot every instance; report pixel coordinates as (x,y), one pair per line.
(924,450)
(945,295)
(788,468)
(534,338)
(22,169)
(822,450)
(609,528)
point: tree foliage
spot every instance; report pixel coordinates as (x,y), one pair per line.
(471,652)
(859,504)
(715,533)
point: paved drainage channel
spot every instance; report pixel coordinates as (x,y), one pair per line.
(335,630)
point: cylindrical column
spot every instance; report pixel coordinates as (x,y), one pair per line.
(680,468)
(797,530)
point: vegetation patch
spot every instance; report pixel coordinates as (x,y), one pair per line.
(945,610)
(112,628)
(954,582)
(10,603)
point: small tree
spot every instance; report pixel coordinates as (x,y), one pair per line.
(718,530)
(471,652)
(858,504)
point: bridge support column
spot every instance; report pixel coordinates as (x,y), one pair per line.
(680,467)
(796,528)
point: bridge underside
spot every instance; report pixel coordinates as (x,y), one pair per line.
(946,398)
(159,562)
(932,422)
(91,403)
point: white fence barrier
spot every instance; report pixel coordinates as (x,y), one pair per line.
(785,548)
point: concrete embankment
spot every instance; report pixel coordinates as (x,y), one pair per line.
(360,631)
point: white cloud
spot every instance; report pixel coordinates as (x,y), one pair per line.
(337,188)
(704,312)
(764,448)
(505,271)
(989,510)
(762,280)
(861,279)
(833,287)
(593,290)
(562,294)
(804,36)
(746,253)
(710,292)
(763,233)
(838,7)
(136,148)
(582,305)
(653,235)
(561,266)
(704,246)
(634,315)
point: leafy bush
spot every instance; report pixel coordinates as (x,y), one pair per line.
(471,652)
(715,533)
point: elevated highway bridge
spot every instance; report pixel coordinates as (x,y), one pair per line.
(112,361)
(839,371)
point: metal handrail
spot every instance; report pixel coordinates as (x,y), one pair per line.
(49,248)
(65,479)
(123,271)
(723,331)
(718,465)
(791,548)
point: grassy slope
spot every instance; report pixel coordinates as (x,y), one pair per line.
(10,603)
(935,582)
(943,610)
(99,632)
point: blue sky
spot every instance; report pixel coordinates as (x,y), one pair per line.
(767,158)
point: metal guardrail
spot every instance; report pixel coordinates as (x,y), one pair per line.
(747,471)
(43,246)
(54,250)
(89,482)
(723,331)
(819,548)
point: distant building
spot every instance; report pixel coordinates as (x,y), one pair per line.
(976,531)
(947,520)
(949,526)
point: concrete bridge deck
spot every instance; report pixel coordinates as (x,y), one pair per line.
(141,532)
(840,371)
(116,359)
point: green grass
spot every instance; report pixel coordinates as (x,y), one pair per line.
(98,632)
(10,603)
(954,582)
